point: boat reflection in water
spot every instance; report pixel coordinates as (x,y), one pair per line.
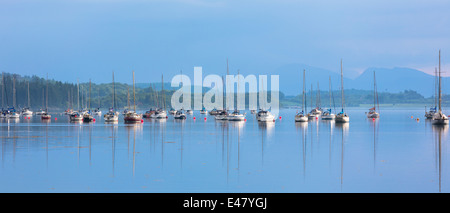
(269,127)
(441,135)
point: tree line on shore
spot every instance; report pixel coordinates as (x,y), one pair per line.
(62,95)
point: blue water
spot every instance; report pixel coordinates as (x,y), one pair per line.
(392,154)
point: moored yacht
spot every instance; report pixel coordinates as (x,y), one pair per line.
(300,116)
(13,114)
(76,117)
(159,114)
(342,116)
(221,115)
(265,116)
(27,112)
(172,111)
(372,111)
(97,112)
(327,114)
(236,116)
(213,112)
(203,111)
(179,115)
(132,116)
(149,113)
(440,118)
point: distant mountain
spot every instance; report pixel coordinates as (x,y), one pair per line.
(291,78)
(388,80)
(399,79)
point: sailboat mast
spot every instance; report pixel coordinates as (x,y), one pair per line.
(156,97)
(303,95)
(14,91)
(318,95)
(224,100)
(128,97)
(28,94)
(99,102)
(237,93)
(374,97)
(311,96)
(163,93)
(3,90)
(435,86)
(78,94)
(342,88)
(46,97)
(134,95)
(114,93)
(89,95)
(376,91)
(329,80)
(440,95)
(228,72)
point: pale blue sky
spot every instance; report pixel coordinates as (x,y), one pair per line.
(90,38)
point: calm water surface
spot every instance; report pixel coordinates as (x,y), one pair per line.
(392,154)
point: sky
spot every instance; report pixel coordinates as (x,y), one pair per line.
(88,39)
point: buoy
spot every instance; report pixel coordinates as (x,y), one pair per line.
(280,117)
(94,119)
(28,118)
(56,119)
(245,119)
(194,118)
(317,118)
(373,119)
(167,117)
(417,119)
(411,116)
(142,120)
(205,118)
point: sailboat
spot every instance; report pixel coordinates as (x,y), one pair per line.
(214,112)
(13,114)
(26,111)
(264,115)
(301,117)
(88,117)
(161,112)
(429,114)
(439,118)
(342,116)
(222,115)
(97,111)
(45,115)
(179,115)
(132,116)
(314,113)
(125,111)
(372,111)
(149,113)
(327,114)
(112,115)
(236,115)
(203,111)
(77,116)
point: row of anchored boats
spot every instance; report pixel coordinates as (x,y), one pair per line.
(341,117)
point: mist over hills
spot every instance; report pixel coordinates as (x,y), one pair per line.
(392,80)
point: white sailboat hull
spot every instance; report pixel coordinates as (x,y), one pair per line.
(342,119)
(301,119)
(328,117)
(265,118)
(236,117)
